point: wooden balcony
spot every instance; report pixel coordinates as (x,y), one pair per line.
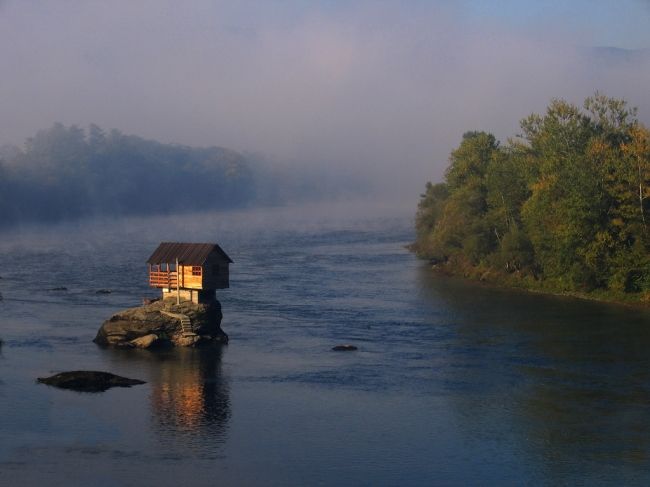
(168,279)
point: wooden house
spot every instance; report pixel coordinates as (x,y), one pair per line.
(189,271)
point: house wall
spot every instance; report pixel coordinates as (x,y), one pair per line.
(216,273)
(188,280)
(195,295)
(185,294)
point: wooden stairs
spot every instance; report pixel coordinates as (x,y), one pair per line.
(186,323)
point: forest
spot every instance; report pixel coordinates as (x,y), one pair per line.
(67,173)
(561,207)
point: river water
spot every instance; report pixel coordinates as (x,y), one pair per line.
(454,383)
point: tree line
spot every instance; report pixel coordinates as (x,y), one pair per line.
(68,172)
(65,173)
(562,207)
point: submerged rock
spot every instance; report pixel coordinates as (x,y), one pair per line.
(88,381)
(164,323)
(344,348)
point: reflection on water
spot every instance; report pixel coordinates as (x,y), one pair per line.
(569,379)
(190,397)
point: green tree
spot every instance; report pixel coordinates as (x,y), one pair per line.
(567,202)
(455,210)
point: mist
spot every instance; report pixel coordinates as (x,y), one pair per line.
(381,91)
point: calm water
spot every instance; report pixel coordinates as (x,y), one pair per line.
(453,384)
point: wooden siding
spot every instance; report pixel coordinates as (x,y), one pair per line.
(189,281)
(215,273)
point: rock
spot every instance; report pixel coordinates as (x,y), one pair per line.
(103,291)
(187,341)
(344,348)
(145,341)
(88,381)
(129,327)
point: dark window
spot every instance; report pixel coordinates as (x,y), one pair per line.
(215,269)
(196,270)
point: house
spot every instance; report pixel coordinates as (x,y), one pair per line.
(189,271)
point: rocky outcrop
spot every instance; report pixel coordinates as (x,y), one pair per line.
(88,381)
(164,323)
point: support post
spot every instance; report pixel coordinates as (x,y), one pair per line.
(178,283)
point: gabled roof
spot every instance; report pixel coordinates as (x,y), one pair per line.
(186,253)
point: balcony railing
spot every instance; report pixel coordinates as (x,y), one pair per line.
(163,279)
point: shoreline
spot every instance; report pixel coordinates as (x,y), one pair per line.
(459,274)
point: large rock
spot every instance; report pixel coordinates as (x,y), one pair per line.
(88,381)
(129,327)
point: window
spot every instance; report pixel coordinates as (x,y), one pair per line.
(196,270)
(215,269)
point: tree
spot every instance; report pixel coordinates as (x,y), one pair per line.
(566,202)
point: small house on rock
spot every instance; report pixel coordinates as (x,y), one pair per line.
(189,271)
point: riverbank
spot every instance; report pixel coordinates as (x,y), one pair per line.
(527,283)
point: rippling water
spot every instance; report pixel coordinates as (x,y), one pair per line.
(454,383)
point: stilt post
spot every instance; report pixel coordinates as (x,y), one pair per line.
(178,283)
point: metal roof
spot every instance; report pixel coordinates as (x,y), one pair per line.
(186,253)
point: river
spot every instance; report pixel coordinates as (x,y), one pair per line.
(453,383)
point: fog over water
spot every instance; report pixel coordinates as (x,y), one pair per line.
(381,89)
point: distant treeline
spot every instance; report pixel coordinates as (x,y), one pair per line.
(67,172)
(563,207)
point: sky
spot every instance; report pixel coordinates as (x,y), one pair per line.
(382,89)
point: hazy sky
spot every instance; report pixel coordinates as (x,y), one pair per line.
(382,87)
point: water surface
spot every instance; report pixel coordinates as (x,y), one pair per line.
(454,383)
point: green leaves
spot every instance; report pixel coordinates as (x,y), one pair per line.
(567,202)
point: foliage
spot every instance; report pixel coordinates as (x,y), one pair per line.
(564,205)
(67,172)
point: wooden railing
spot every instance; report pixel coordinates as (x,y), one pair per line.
(163,279)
